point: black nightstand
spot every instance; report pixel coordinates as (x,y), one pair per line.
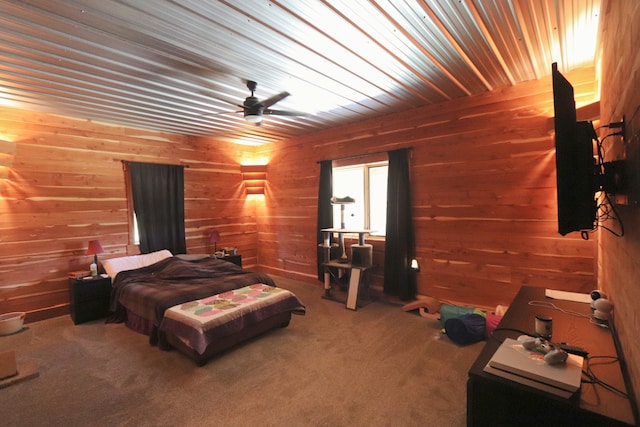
(236,259)
(89,299)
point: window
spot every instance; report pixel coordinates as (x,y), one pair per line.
(136,233)
(367,184)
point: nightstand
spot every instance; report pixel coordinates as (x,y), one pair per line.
(236,259)
(89,299)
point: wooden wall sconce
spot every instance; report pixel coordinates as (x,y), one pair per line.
(254,177)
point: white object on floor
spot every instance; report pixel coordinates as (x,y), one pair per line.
(10,323)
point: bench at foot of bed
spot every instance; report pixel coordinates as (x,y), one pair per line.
(203,328)
(280,320)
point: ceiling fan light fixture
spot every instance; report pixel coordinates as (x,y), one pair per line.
(253,118)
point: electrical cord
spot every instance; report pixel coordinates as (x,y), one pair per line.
(548,304)
(502,328)
(551,305)
(606,209)
(593,379)
(611,213)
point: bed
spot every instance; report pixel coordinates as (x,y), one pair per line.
(198,305)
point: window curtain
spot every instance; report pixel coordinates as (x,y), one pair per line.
(399,278)
(325,209)
(158,201)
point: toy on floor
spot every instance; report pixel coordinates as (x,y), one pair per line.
(463,325)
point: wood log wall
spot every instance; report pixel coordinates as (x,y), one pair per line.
(619,269)
(66,186)
(483,190)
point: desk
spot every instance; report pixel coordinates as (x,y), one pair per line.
(495,401)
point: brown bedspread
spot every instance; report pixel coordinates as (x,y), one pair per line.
(149,291)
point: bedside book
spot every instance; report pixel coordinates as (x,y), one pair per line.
(514,362)
(79,274)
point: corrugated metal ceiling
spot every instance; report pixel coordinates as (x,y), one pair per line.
(178,66)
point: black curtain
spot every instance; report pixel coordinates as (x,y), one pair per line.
(399,278)
(325,209)
(158,200)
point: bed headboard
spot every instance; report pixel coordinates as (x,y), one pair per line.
(115,265)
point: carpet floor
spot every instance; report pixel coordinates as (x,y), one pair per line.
(378,366)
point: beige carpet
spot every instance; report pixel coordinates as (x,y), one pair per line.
(378,366)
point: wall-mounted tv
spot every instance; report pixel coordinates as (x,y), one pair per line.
(583,179)
(576,168)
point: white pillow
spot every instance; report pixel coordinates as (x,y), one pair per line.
(153,257)
(114,266)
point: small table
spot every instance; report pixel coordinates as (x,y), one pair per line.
(89,298)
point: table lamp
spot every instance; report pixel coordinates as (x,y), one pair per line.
(94,249)
(214,238)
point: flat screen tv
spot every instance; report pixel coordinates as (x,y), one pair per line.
(576,167)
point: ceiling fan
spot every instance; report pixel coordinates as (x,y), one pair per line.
(253,109)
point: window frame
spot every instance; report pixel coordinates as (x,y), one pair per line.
(365,164)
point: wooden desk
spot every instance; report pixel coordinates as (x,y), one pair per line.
(495,401)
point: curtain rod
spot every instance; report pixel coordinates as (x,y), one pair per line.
(124,162)
(357,156)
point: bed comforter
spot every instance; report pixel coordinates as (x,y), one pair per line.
(142,298)
(149,291)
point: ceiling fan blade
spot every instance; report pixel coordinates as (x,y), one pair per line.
(285,113)
(221,113)
(276,98)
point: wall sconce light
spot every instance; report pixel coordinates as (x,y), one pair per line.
(415,265)
(254,177)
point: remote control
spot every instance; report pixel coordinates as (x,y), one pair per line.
(579,351)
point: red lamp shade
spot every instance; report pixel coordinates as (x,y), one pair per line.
(94,248)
